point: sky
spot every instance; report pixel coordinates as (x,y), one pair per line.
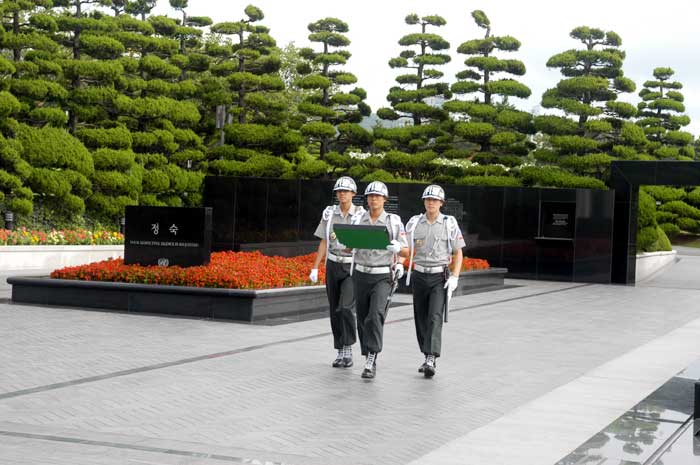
(654,34)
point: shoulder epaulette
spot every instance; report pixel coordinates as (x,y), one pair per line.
(412,223)
(328,212)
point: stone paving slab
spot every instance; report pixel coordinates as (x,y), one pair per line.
(267,393)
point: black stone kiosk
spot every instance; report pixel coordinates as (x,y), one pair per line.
(625,178)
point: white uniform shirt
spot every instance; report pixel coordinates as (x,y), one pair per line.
(435,243)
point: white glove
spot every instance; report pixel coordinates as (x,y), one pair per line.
(398,271)
(394,246)
(313,276)
(341,246)
(451,285)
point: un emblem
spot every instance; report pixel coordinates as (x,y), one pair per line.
(333,236)
(163,262)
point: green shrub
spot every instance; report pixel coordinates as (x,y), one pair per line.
(694,196)
(681,209)
(550,176)
(155,181)
(665,193)
(378,175)
(688,224)
(489,181)
(647,210)
(665,217)
(312,169)
(652,239)
(106,159)
(55,148)
(670,229)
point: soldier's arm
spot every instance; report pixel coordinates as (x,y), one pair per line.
(457,258)
(320,253)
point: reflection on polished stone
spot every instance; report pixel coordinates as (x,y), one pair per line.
(650,428)
(629,440)
(684,451)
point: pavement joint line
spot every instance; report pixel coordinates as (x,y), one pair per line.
(117,445)
(496,302)
(158,366)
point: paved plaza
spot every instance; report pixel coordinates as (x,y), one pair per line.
(528,373)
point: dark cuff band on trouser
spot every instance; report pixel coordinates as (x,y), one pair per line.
(341,299)
(371,292)
(428,305)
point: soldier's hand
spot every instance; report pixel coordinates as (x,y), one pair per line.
(451,284)
(313,276)
(398,271)
(342,246)
(394,246)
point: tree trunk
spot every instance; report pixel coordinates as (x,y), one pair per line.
(16,52)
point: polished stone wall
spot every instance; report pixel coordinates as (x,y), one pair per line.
(501,224)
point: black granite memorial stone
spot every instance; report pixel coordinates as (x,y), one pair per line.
(500,224)
(167,236)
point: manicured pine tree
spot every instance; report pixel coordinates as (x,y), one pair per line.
(61,169)
(332,113)
(15,196)
(419,95)
(254,139)
(91,71)
(161,124)
(597,127)
(140,8)
(36,75)
(661,116)
(494,125)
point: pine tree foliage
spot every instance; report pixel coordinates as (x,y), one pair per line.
(246,86)
(661,115)
(418,98)
(332,110)
(494,125)
(597,128)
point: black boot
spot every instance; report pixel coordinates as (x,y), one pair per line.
(370,370)
(347,356)
(421,368)
(430,366)
(338,362)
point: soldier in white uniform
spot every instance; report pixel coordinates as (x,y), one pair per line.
(437,242)
(339,287)
(373,273)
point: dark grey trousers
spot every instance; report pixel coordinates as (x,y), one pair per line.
(341,297)
(428,302)
(371,292)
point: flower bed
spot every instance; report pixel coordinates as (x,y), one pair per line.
(245,286)
(23,236)
(472,264)
(231,270)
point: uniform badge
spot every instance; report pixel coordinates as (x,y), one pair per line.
(333,236)
(419,242)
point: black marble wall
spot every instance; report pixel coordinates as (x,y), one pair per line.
(500,224)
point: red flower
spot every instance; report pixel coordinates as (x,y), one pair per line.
(233,270)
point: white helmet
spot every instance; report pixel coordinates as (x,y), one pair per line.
(434,191)
(345,183)
(377,188)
